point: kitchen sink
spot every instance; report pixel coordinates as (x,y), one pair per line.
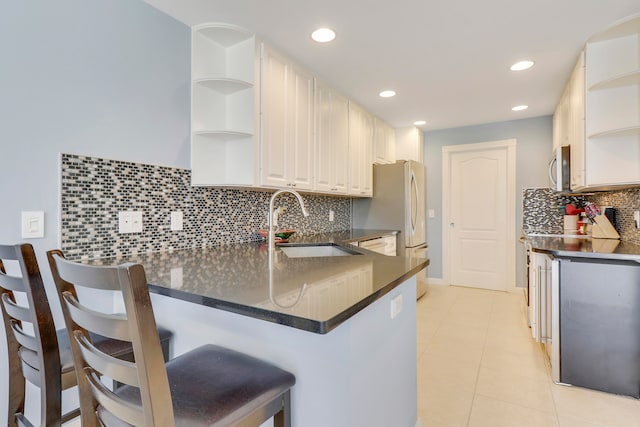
(310,251)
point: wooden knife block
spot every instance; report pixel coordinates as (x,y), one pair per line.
(603,229)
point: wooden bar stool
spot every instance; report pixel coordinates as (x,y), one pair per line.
(208,386)
(36,351)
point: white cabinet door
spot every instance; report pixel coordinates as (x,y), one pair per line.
(360,151)
(540,297)
(576,126)
(409,144)
(300,122)
(384,142)
(332,140)
(568,123)
(287,122)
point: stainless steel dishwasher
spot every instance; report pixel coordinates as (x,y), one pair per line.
(600,324)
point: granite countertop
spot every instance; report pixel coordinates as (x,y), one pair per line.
(575,246)
(314,294)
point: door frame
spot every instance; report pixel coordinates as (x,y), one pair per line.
(510,146)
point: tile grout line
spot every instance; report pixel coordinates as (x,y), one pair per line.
(484,345)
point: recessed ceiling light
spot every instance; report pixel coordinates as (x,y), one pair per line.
(520,107)
(387,93)
(419,122)
(522,65)
(323,35)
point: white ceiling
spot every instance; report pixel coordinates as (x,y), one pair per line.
(448,61)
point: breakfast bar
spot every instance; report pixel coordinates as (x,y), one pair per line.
(343,325)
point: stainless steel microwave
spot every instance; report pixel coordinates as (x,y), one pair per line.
(560,169)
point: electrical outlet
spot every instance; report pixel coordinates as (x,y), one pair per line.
(176,278)
(396,306)
(176,221)
(636,218)
(130,222)
(331,216)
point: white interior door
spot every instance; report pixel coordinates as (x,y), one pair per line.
(479,221)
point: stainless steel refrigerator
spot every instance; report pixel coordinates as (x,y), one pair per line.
(398,203)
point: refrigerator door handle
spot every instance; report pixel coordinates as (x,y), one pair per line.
(414,203)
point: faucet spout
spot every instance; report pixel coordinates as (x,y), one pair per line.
(271,237)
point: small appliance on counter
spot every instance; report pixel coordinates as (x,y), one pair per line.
(398,203)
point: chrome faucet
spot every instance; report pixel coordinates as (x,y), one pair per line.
(271,237)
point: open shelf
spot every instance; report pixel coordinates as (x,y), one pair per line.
(225,35)
(626,79)
(224,86)
(628,131)
(222,135)
(626,27)
(223,118)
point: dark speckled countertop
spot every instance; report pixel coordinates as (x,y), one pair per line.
(567,246)
(314,294)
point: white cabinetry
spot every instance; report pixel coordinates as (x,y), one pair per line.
(223,105)
(409,144)
(540,298)
(613,106)
(332,140)
(385,245)
(568,123)
(385,142)
(287,122)
(360,151)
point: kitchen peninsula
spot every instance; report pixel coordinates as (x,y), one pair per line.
(343,325)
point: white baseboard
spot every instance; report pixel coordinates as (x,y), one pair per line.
(436,281)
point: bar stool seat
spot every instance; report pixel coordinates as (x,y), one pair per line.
(214,386)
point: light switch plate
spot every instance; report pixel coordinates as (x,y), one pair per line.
(33,225)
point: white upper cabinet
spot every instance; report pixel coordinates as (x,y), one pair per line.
(599,112)
(332,140)
(254,121)
(223,105)
(385,142)
(568,123)
(361,128)
(409,144)
(612,128)
(287,123)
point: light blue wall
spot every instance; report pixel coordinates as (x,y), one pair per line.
(533,151)
(106,78)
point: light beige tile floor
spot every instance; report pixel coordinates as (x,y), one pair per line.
(478,366)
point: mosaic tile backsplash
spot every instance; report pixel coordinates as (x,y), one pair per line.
(541,213)
(94,190)
(540,210)
(624,202)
